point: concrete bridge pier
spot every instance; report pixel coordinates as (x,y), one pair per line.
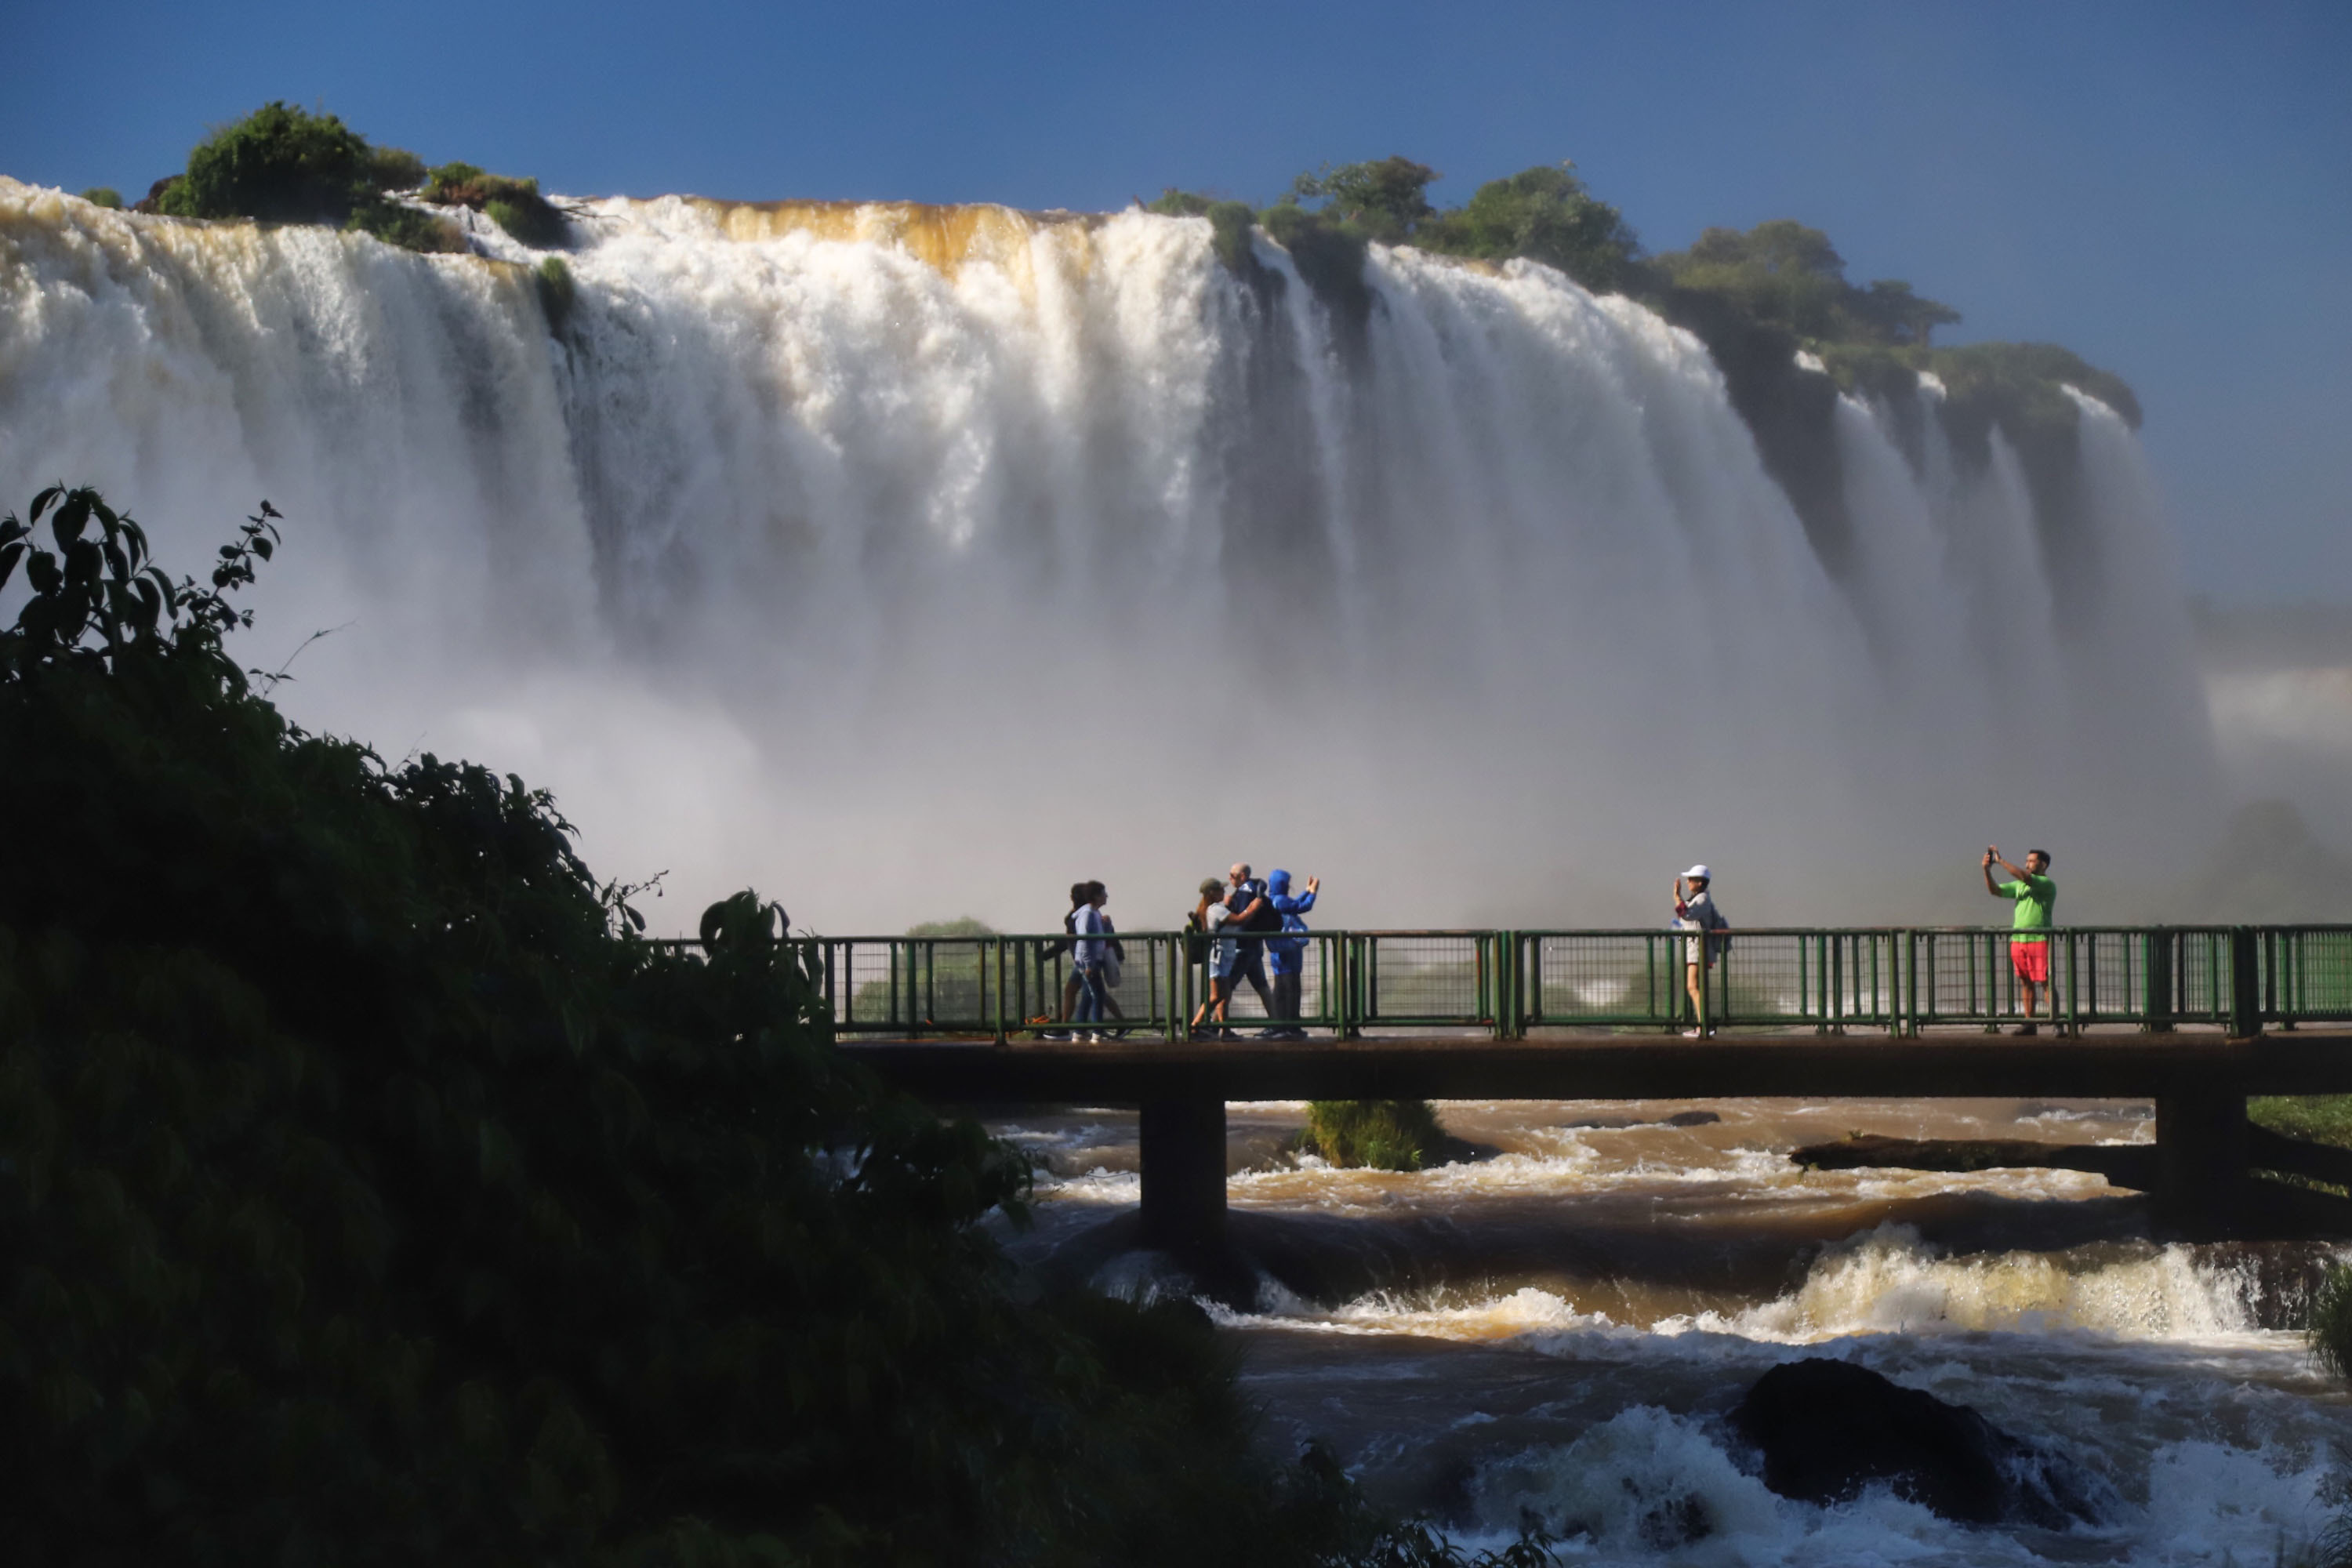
(1184,1181)
(2200,1161)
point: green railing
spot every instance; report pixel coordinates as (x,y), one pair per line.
(1507,984)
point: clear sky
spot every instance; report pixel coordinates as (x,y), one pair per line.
(2166,188)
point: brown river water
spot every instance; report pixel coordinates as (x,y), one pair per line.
(1555,1328)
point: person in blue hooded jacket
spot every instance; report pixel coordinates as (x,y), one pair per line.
(1285,954)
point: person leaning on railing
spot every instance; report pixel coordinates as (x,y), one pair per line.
(2036,897)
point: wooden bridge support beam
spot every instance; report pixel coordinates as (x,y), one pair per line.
(2200,1161)
(1184,1179)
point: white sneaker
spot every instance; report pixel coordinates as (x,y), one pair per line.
(1693,1033)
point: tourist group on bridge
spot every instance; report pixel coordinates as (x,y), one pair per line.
(1243,928)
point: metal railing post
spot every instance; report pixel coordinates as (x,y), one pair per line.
(1698,946)
(1911,983)
(2245,984)
(999,955)
(2073,988)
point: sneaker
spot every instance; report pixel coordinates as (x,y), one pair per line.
(1693,1033)
(2027,1029)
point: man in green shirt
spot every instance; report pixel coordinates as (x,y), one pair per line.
(2035,895)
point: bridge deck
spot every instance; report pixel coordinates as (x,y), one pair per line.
(2098,1064)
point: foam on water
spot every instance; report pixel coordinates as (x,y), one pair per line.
(1647,1485)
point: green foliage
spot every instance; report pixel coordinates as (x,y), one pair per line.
(961,926)
(372,1195)
(557,292)
(1545,215)
(513,205)
(1229,223)
(395,169)
(279,163)
(406,228)
(1792,275)
(1385,200)
(103,196)
(2330,1328)
(2317,1119)
(1329,256)
(284,165)
(1384,1135)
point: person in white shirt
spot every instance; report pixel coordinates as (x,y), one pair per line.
(1695,910)
(1089,956)
(1210,917)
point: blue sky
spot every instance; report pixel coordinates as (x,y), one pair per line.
(2164,188)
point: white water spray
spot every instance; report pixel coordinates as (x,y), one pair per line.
(913,561)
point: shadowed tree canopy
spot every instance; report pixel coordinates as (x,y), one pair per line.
(1545,215)
(372,1193)
(1789,275)
(1386,201)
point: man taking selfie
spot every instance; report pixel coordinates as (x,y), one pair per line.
(2035,895)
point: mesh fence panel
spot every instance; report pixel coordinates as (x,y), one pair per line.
(1820,979)
(1425,977)
(2309,972)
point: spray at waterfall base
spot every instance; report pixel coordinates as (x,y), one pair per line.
(880,574)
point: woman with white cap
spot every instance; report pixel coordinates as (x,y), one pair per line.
(1695,910)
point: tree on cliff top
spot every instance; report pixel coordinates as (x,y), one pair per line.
(1788,273)
(1545,215)
(285,165)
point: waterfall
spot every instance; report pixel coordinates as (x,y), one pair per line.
(909,561)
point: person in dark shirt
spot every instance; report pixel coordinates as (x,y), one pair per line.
(1252,909)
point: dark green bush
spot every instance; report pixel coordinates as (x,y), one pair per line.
(1384,1135)
(1385,200)
(395,169)
(1545,215)
(284,165)
(371,1193)
(557,292)
(406,228)
(103,196)
(2330,1329)
(513,205)
(1230,224)
(279,163)
(1330,256)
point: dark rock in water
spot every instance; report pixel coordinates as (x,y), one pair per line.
(1692,1119)
(1829,1428)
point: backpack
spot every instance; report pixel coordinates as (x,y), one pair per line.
(1068,944)
(1267,917)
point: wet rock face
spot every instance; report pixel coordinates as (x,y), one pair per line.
(1827,1429)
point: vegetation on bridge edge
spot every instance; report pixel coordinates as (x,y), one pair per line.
(370,1192)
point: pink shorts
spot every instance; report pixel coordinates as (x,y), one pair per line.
(2031,960)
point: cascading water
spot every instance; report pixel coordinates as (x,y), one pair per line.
(909,561)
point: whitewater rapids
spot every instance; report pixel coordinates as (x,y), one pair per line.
(1557,1328)
(913,561)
